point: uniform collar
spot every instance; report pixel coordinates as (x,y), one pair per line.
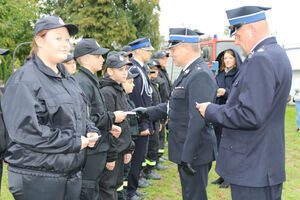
(48,71)
(139,62)
(89,74)
(262,42)
(185,68)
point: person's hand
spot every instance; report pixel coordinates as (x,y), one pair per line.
(127,158)
(202,107)
(110,165)
(116,131)
(93,141)
(145,132)
(84,142)
(142,113)
(188,169)
(119,116)
(160,127)
(221,92)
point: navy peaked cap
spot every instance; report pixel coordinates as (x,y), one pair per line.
(182,35)
(53,22)
(143,43)
(245,15)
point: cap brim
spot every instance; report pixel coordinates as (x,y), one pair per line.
(127,54)
(120,64)
(4,51)
(234,28)
(149,48)
(68,59)
(173,43)
(72,28)
(100,51)
(130,75)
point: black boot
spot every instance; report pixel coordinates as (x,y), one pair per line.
(225,184)
(218,181)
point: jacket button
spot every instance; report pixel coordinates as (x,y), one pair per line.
(230,147)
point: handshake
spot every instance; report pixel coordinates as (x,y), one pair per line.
(141,112)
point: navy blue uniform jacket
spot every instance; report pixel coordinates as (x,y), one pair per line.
(190,139)
(140,99)
(45,115)
(252,151)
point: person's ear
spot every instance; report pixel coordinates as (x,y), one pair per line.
(110,71)
(39,41)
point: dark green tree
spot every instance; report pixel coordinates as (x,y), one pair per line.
(16,20)
(113,23)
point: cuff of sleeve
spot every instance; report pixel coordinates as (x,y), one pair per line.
(111,157)
(77,144)
(112,117)
(209,112)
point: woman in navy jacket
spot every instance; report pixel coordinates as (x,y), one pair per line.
(229,62)
(45,113)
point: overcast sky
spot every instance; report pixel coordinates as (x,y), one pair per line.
(209,16)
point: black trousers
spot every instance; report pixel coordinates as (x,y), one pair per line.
(162,141)
(136,164)
(44,186)
(91,174)
(1,171)
(110,181)
(153,146)
(194,187)
(262,193)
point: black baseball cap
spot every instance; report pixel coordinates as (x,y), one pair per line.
(160,54)
(132,75)
(69,57)
(153,63)
(123,53)
(126,48)
(89,46)
(4,52)
(116,60)
(53,22)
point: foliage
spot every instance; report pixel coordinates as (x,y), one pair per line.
(113,23)
(16,19)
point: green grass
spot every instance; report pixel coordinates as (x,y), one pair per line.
(169,187)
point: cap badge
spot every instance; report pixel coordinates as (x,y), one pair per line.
(121,58)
